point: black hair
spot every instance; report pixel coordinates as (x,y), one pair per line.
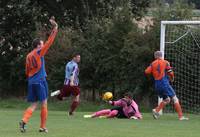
(36,42)
(128,94)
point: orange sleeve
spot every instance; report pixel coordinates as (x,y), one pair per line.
(49,42)
(27,67)
(148,70)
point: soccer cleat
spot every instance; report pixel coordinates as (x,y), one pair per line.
(183,118)
(155,114)
(45,130)
(102,116)
(22,126)
(133,117)
(87,116)
(57,92)
(71,113)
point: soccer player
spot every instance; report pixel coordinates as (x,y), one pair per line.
(71,83)
(124,108)
(36,75)
(162,73)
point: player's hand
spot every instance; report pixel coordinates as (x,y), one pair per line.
(171,79)
(53,22)
(71,84)
(110,102)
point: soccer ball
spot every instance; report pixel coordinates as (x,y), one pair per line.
(107,96)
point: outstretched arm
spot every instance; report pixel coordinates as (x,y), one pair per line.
(116,103)
(51,38)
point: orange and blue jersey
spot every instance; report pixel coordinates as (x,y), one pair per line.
(35,71)
(161,71)
(35,64)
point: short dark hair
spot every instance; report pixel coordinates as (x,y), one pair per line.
(75,55)
(36,42)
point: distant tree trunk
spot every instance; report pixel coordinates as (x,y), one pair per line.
(93,94)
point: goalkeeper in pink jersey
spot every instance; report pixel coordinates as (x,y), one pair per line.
(124,108)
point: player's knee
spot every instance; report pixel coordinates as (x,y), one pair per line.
(33,106)
(167,100)
(114,112)
(175,99)
(44,104)
(77,98)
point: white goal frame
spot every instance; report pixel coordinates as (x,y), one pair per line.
(162,38)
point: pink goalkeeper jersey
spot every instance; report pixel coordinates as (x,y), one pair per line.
(129,109)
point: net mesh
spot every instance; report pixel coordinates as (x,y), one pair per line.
(182,50)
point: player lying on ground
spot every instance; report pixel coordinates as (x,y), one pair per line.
(36,75)
(124,108)
(162,73)
(71,84)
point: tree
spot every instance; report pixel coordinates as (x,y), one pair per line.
(17,25)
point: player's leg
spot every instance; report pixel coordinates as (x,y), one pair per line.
(103,112)
(42,96)
(112,114)
(43,116)
(75,90)
(27,115)
(162,90)
(74,105)
(29,111)
(177,105)
(166,100)
(62,93)
(178,108)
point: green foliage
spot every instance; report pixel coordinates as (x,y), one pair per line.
(196,2)
(114,50)
(17,25)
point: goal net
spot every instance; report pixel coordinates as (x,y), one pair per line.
(180,42)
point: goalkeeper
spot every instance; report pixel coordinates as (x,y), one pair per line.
(162,73)
(124,108)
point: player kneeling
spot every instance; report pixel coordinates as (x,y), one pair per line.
(124,108)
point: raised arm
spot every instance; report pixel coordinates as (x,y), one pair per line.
(51,38)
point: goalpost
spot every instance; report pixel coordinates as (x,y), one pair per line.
(180,44)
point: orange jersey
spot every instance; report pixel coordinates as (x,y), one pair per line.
(159,68)
(33,59)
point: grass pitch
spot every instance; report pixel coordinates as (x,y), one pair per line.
(61,125)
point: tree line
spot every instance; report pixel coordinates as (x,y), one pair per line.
(114,50)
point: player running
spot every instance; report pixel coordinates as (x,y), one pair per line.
(124,108)
(71,83)
(162,73)
(37,84)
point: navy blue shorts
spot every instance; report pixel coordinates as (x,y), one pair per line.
(37,91)
(164,90)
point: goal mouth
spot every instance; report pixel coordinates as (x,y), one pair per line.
(180,43)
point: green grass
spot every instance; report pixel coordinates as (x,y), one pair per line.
(61,125)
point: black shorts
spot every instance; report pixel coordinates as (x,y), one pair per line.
(120,112)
